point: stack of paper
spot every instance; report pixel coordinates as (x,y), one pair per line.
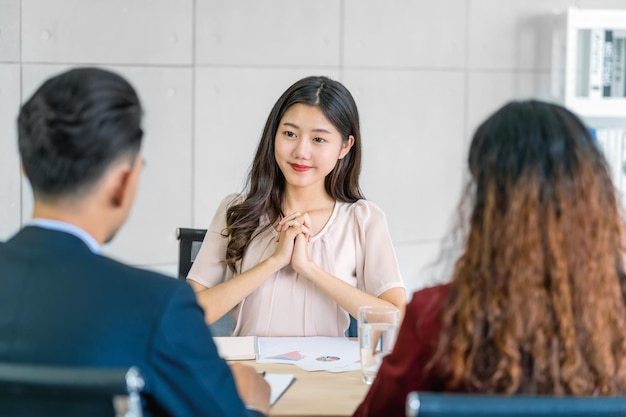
(236,348)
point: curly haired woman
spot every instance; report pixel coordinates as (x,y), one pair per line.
(536,301)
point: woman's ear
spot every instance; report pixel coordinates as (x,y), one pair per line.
(346,146)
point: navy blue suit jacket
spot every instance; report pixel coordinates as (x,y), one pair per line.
(62,304)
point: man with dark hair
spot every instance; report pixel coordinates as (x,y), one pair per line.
(62,302)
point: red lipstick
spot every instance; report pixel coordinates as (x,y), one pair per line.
(300,168)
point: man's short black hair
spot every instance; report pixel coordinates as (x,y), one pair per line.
(74,126)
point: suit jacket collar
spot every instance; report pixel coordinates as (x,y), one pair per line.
(62,226)
(34,236)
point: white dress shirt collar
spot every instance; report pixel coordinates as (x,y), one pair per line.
(60,226)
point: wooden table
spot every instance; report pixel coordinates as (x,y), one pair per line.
(317,393)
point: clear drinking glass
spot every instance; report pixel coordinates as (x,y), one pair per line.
(378,329)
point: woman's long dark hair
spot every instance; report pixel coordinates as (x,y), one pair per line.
(266,184)
(537,297)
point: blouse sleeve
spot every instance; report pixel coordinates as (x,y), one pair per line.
(380,271)
(208,269)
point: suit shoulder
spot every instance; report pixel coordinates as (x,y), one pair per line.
(139,276)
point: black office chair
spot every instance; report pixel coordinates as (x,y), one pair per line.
(190,241)
(51,391)
(429,404)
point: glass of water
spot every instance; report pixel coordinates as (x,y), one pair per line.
(378,329)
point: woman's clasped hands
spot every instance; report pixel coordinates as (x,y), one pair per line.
(294,234)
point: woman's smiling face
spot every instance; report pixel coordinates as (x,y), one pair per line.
(307,146)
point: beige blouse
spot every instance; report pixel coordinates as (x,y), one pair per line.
(354,246)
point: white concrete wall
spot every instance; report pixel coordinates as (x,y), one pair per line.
(424,73)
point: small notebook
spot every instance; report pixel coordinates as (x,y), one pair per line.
(236,348)
(279,384)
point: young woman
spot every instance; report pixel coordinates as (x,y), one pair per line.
(301,248)
(536,303)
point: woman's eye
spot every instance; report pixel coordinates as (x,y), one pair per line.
(319,140)
(290,134)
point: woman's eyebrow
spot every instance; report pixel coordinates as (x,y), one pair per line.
(318,130)
(291,125)
(322,130)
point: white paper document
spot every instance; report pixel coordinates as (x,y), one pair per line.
(236,348)
(278,384)
(332,354)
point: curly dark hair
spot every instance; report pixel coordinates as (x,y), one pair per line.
(537,301)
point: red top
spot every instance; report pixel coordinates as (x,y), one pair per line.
(402,371)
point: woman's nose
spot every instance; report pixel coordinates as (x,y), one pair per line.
(302,148)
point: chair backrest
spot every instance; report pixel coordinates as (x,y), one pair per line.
(189,242)
(429,404)
(37,390)
(353,329)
